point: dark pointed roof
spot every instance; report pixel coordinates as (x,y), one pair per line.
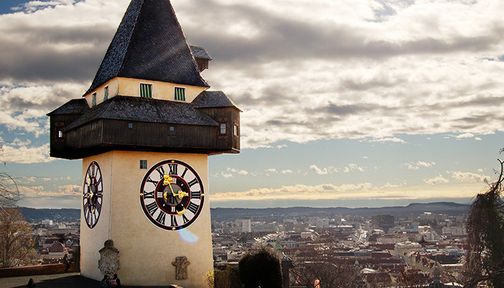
(149,44)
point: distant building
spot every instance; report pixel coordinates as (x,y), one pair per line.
(243,225)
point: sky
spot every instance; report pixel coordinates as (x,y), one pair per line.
(345,103)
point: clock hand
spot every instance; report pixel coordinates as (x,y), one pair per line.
(167,182)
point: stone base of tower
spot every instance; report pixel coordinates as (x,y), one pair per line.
(146,252)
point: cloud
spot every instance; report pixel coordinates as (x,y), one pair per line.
(437,180)
(352,167)
(419,164)
(232,172)
(469,177)
(23,154)
(388,139)
(369,70)
(347,191)
(322,171)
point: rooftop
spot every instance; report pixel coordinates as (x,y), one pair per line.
(150,44)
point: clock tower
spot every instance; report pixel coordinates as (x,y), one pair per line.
(144,131)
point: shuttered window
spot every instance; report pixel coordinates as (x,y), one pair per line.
(93,100)
(106,94)
(179,94)
(146,90)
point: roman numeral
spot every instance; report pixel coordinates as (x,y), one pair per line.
(152,181)
(185,219)
(185,171)
(161,218)
(148,195)
(173,221)
(193,182)
(173,169)
(152,208)
(193,208)
(195,195)
(161,171)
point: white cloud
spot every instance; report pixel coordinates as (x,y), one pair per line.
(322,171)
(339,191)
(232,172)
(388,139)
(352,167)
(25,154)
(419,164)
(437,180)
(469,177)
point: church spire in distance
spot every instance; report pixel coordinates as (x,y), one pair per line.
(149,44)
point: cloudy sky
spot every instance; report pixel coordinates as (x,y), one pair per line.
(346,102)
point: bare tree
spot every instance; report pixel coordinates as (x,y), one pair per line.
(485,228)
(9,192)
(16,243)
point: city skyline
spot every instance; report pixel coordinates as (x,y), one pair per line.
(372,103)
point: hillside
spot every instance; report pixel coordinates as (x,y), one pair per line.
(35,215)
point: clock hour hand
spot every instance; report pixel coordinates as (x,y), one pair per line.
(167,182)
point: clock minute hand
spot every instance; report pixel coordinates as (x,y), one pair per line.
(167,182)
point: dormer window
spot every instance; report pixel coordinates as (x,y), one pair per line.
(93,100)
(146,90)
(179,94)
(106,94)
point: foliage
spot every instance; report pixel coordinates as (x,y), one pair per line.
(485,228)
(228,278)
(261,268)
(16,243)
(330,274)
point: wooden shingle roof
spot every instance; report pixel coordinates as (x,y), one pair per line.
(139,109)
(213,99)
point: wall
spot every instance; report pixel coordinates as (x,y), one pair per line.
(131,87)
(92,240)
(146,251)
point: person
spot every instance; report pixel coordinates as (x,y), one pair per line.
(30,284)
(115,282)
(66,262)
(105,282)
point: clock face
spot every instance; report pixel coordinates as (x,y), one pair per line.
(172,195)
(92,194)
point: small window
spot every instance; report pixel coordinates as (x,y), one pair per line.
(60,134)
(179,94)
(93,100)
(143,164)
(172,130)
(235,130)
(223,127)
(106,94)
(130,125)
(146,90)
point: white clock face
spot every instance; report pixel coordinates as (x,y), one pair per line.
(92,199)
(172,195)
